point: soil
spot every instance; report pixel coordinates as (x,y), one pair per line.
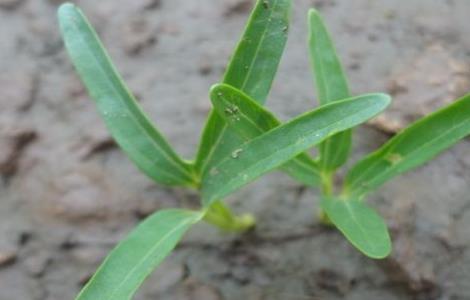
(68,195)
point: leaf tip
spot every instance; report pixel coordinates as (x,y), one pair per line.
(215,88)
(379,99)
(383,253)
(66,8)
(386,98)
(313,12)
(361,226)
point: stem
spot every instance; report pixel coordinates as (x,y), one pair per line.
(219,215)
(327,182)
(327,190)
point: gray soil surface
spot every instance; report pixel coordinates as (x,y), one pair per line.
(67,194)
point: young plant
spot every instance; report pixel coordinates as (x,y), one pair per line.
(410,148)
(241,140)
(342,206)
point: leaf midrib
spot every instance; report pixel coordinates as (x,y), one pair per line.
(363,232)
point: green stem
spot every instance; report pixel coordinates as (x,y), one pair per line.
(327,182)
(327,190)
(219,215)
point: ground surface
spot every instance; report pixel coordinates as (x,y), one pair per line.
(67,194)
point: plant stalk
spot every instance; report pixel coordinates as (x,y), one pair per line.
(220,215)
(327,187)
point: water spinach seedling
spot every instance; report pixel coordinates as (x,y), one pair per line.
(408,149)
(226,159)
(344,205)
(240,142)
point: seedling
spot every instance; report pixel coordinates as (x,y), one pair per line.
(242,141)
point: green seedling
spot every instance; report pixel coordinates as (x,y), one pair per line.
(242,141)
(410,148)
(228,158)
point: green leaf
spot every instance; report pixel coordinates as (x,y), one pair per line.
(249,120)
(251,69)
(127,266)
(279,145)
(360,224)
(331,86)
(129,126)
(412,147)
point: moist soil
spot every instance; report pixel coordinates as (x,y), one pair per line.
(68,194)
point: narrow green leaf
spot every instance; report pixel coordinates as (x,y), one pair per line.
(279,145)
(414,146)
(251,69)
(249,120)
(127,266)
(331,86)
(360,224)
(129,126)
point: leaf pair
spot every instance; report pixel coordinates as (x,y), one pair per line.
(277,146)
(360,224)
(252,70)
(412,147)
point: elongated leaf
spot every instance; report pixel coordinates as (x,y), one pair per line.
(251,70)
(279,145)
(129,126)
(414,146)
(127,266)
(360,224)
(249,120)
(331,86)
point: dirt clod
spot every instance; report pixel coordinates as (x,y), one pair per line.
(7,258)
(12,144)
(238,7)
(433,79)
(10,4)
(137,36)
